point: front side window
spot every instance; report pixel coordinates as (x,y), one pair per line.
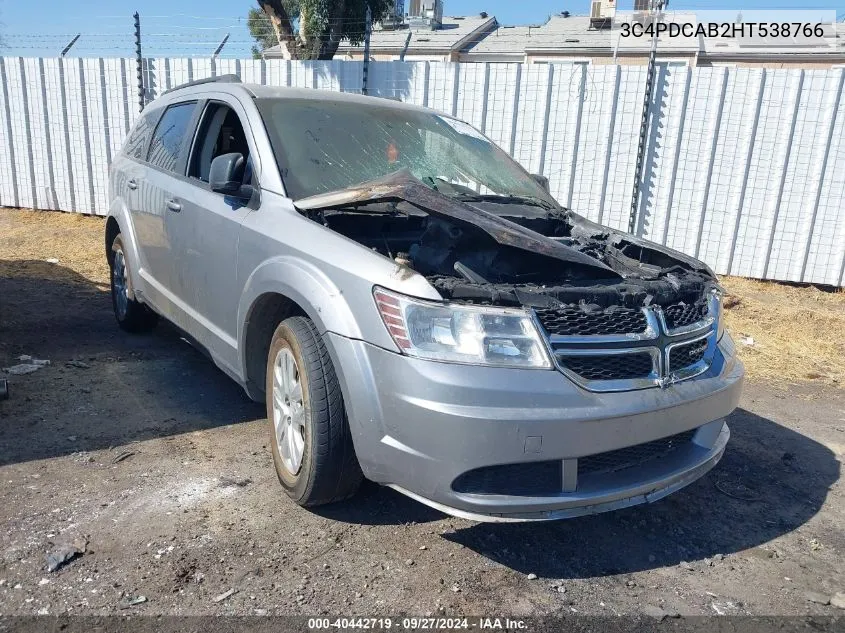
(169,136)
(323,146)
(220,132)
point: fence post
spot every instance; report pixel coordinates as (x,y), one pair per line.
(139,63)
(656,9)
(70,44)
(367,31)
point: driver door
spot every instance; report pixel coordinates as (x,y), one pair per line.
(204,232)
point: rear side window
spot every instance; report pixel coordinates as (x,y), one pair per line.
(170,135)
(136,144)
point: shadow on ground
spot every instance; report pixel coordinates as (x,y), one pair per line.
(131,388)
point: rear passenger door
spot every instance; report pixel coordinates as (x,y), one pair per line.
(165,160)
(204,233)
(127,172)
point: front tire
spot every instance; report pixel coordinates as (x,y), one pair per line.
(132,316)
(312,445)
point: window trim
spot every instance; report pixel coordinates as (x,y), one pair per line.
(204,103)
(179,169)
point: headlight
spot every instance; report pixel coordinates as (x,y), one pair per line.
(462,334)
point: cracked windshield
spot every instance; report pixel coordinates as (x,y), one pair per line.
(324,146)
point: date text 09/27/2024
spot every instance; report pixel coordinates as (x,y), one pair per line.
(417,623)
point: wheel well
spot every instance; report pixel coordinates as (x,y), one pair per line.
(266,313)
(112,231)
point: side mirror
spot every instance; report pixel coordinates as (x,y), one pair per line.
(227,174)
(542,181)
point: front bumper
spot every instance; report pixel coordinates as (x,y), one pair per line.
(420,425)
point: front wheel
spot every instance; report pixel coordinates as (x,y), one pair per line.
(312,445)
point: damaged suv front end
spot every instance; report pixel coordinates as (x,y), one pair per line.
(566,369)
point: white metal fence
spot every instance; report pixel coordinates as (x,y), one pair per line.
(744,167)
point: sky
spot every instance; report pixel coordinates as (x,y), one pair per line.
(195,27)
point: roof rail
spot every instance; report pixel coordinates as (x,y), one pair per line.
(220,79)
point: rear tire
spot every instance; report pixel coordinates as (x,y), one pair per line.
(132,316)
(312,445)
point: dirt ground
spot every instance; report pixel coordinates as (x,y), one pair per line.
(140,450)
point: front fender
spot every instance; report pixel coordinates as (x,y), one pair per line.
(304,283)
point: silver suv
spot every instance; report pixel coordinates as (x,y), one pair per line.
(415,308)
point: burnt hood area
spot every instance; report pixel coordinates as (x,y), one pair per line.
(519,255)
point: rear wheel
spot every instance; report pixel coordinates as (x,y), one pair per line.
(132,316)
(312,446)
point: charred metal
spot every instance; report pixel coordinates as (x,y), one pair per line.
(521,255)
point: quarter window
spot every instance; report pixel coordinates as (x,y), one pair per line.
(136,144)
(170,135)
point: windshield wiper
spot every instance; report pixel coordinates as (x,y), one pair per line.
(506,199)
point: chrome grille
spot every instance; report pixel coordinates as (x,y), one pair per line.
(610,367)
(601,352)
(632,455)
(574,321)
(680,315)
(681,356)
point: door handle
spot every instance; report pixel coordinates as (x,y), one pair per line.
(174,206)
(132,184)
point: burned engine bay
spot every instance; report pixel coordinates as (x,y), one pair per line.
(522,255)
